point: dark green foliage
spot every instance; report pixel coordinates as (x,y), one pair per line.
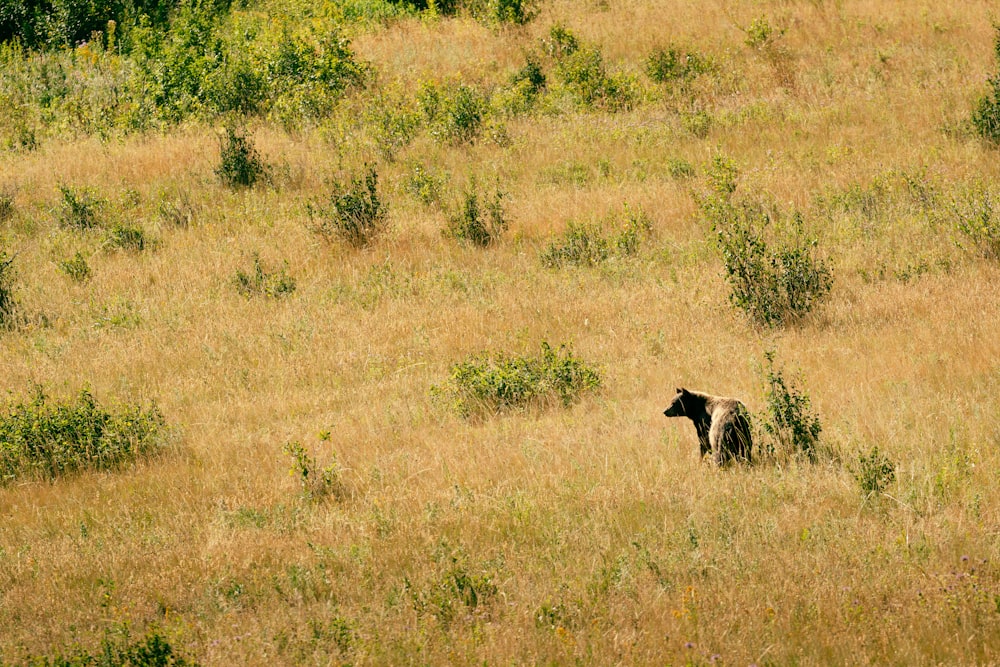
(790,420)
(875,472)
(267,283)
(524,88)
(459,588)
(45,438)
(478,222)
(675,64)
(498,382)
(356,213)
(128,237)
(80,209)
(240,165)
(76,268)
(977,219)
(118,649)
(587,244)
(454,112)
(986,115)
(773,280)
(8,303)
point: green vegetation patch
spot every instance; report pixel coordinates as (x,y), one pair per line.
(986,115)
(584,244)
(118,649)
(43,437)
(497,382)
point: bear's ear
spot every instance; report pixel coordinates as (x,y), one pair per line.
(679,390)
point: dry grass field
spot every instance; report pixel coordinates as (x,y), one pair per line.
(583,534)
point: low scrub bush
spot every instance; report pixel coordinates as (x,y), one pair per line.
(675,64)
(587,244)
(119,649)
(774,275)
(80,209)
(46,438)
(874,472)
(76,267)
(790,420)
(267,283)
(977,220)
(496,382)
(392,126)
(479,222)
(6,205)
(426,184)
(454,112)
(133,238)
(240,164)
(317,483)
(986,115)
(460,588)
(584,73)
(523,90)
(355,214)
(8,302)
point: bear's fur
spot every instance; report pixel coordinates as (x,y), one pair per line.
(721,423)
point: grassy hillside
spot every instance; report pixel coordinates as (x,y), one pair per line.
(233,434)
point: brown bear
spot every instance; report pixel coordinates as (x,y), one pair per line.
(721,423)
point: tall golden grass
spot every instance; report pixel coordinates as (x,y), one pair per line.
(605,540)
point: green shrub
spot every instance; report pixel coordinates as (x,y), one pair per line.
(498,382)
(560,42)
(875,472)
(317,483)
(587,245)
(81,209)
(674,64)
(454,112)
(240,165)
(774,276)
(790,420)
(426,184)
(119,649)
(76,268)
(986,115)
(391,126)
(45,438)
(455,590)
(679,168)
(977,219)
(355,214)
(480,223)
(260,282)
(585,75)
(128,237)
(8,302)
(523,90)
(6,205)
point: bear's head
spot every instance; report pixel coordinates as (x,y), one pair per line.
(677,407)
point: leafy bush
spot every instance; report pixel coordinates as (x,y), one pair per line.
(560,42)
(356,213)
(585,75)
(459,587)
(76,268)
(426,184)
(587,245)
(81,209)
(129,237)
(392,126)
(317,483)
(498,382)
(523,90)
(119,649)
(6,204)
(454,112)
(674,64)
(679,168)
(977,214)
(790,420)
(773,280)
(474,224)
(986,115)
(875,472)
(8,303)
(240,165)
(45,438)
(258,281)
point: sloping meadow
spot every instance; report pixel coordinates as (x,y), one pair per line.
(340,332)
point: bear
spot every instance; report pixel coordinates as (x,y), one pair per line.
(722,424)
